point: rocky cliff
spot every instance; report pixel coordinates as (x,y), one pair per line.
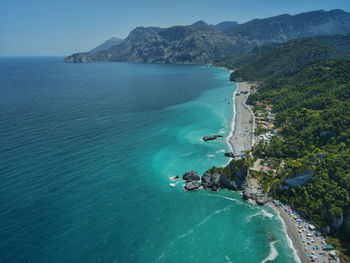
(202,43)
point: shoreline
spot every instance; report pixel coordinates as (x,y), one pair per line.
(241,136)
(292,235)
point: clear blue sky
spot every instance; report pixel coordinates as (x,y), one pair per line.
(62,27)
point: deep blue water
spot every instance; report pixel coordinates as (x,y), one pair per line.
(86,155)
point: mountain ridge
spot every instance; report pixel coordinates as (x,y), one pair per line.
(201,43)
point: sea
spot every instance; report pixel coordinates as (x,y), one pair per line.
(86,153)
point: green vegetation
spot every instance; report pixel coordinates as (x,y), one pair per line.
(310,94)
(286,58)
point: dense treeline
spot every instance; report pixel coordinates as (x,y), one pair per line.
(312,109)
(289,58)
(312,100)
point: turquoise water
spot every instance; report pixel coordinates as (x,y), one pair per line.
(86,155)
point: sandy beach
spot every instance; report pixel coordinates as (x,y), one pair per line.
(292,232)
(241,137)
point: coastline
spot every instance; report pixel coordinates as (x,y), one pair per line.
(240,139)
(292,234)
(241,136)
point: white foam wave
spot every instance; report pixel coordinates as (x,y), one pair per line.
(187,154)
(267,214)
(289,241)
(210,156)
(232,122)
(240,202)
(220,151)
(260,213)
(251,216)
(228,259)
(190,231)
(273,253)
(222,130)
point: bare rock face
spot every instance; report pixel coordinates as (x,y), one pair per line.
(211,179)
(253,191)
(325,230)
(192,185)
(191,176)
(228,183)
(336,222)
(346,225)
(201,43)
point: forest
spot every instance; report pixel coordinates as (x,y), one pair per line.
(308,83)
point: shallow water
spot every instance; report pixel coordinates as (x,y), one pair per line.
(86,155)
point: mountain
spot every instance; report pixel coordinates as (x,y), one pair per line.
(286,27)
(226,25)
(107,44)
(178,44)
(267,61)
(221,26)
(201,43)
(200,24)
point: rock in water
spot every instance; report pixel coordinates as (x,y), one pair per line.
(190,176)
(211,179)
(211,137)
(230,154)
(228,183)
(192,185)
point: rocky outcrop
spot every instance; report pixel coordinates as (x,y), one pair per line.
(233,177)
(228,183)
(325,230)
(192,185)
(190,176)
(211,179)
(192,180)
(230,155)
(80,58)
(211,137)
(336,222)
(299,180)
(253,191)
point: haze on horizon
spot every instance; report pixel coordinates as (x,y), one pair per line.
(45,27)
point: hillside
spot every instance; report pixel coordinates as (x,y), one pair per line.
(202,43)
(267,61)
(114,41)
(307,82)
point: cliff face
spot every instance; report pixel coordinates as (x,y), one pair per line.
(202,43)
(179,44)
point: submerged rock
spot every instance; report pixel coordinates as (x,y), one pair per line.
(190,176)
(210,138)
(192,185)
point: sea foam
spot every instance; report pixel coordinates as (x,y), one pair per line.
(273,252)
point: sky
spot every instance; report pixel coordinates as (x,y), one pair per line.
(63,27)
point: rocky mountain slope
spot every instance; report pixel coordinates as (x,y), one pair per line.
(202,43)
(113,41)
(287,58)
